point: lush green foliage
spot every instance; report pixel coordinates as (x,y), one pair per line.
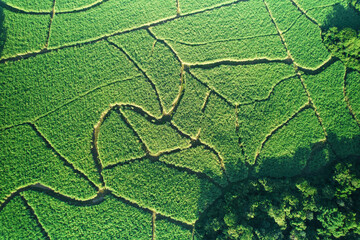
(292,208)
(110,219)
(244,83)
(326,89)
(33,162)
(117,141)
(169,191)
(167,230)
(221,38)
(18,222)
(126,119)
(23,33)
(344,44)
(107,18)
(31,5)
(154,58)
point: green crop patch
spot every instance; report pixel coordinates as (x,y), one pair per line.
(30,161)
(117,141)
(70,5)
(71,128)
(219,131)
(18,222)
(307,5)
(260,118)
(352,83)
(167,230)
(198,159)
(195,42)
(302,37)
(106,19)
(156,60)
(109,219)
(22,33)
(203,114)
(256,47)
(186,6)
(305,44)
(39,85)
(244,83)
(157,137)
(156,186)
(189,115)
(30,5)
(326,90)
(290,146)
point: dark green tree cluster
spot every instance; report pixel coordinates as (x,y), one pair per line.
(313,206)
(344,44)
(342,36)
(355,4)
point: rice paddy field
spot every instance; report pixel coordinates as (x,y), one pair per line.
(137,119)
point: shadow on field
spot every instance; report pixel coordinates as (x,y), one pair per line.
(2,31)
(293,204)
(342,17)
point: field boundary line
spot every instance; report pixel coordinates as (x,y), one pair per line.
(60,156)
(234,62)
(303,12)
(39,187)
(194,44)
(35,216)
(69,102)
(212,89)
(15,9)
(52,15)
(346,98)
(276,129)
(133,203)
(271,92)
(139,68)
(115,33)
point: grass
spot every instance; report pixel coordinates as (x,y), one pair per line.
(167,230)
(117,141)
(352,84)
(24,33)
(244,83)
(32,161)
(221,37)
(38,85)
(105,19)
(163,193)
(102,220)
(156,60)
(157,137)
(260,118)
(29,5)
(18,221)
(326,89)
(291,146)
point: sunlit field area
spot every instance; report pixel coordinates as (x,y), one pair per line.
(180,119)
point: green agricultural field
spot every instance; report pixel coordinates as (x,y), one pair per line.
(180,119)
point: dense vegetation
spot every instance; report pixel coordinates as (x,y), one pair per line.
(187,119)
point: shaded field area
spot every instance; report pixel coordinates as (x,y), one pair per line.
(179,120)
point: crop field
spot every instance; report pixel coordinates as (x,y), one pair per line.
(135,119)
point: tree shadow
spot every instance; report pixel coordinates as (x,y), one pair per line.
(342,17)
(286,199)
(2,31)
